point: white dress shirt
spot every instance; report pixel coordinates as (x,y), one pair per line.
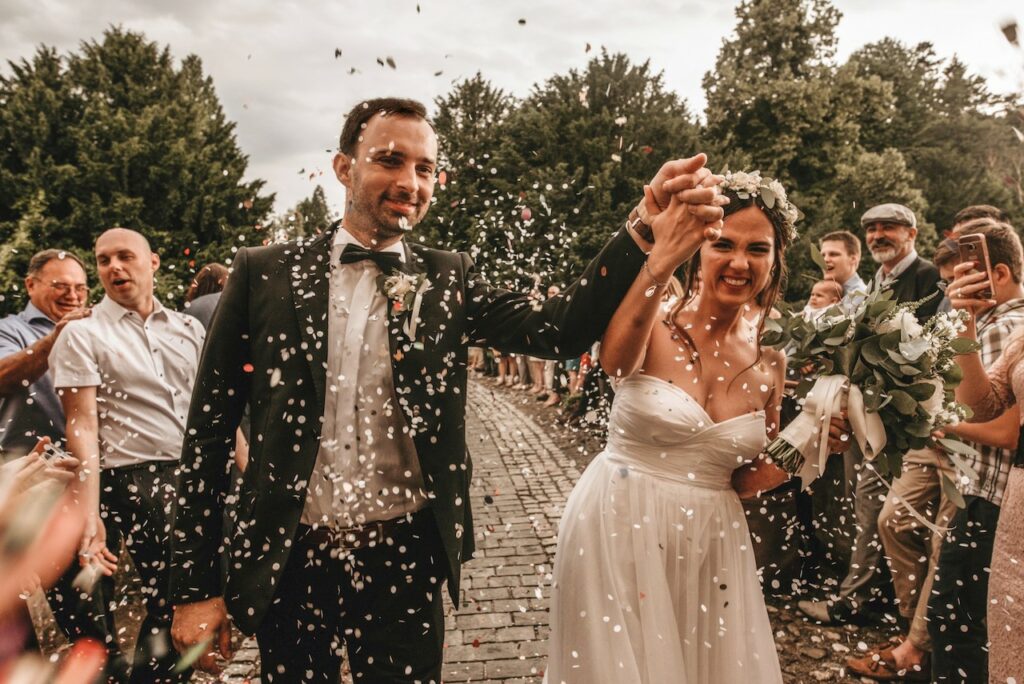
(366,469)
(143,372)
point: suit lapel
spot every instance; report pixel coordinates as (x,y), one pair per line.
(309,277)
(405,357)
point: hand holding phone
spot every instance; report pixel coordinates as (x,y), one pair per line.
(973,248)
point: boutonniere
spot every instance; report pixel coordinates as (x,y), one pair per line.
(405,293)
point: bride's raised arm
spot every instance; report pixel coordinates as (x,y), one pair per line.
(694,211)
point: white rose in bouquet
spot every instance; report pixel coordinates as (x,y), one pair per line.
(905,322)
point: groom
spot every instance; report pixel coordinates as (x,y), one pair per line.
(350,351)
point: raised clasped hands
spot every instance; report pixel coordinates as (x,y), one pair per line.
(686,207)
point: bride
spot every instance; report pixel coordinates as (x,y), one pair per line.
(654,579)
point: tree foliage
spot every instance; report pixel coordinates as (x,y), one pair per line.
(535,187)
(116,135)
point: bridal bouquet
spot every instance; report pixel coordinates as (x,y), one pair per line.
(892,375)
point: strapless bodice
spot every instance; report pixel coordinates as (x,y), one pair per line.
(657,428)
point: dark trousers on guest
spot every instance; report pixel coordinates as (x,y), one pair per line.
(959,602)
(384,602)
(136,503)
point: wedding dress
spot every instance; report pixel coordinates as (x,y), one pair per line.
(654,578)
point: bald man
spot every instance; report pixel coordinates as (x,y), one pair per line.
(137,360)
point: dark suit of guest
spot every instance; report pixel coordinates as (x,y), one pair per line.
(268,348)
(920,280)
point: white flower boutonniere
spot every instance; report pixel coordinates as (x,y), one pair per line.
(405,292)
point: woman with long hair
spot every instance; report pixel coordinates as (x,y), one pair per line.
(654,578)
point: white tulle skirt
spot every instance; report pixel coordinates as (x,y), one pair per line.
(655,582)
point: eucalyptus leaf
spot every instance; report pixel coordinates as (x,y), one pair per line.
(952,493)
(962,345)
(955,446)
(816,255)
(903,402)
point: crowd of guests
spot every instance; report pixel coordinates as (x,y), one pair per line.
(116,375)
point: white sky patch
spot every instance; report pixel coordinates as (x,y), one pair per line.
(275,70)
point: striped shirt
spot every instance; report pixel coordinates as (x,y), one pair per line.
(995,327)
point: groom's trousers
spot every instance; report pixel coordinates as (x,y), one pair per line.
(381,597)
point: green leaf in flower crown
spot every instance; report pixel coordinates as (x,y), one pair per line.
(903,402)
(768,197)
(952,493)
(962,345)
(816,257)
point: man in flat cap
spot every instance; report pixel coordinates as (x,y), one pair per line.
(890,231)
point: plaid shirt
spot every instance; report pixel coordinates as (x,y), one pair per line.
(993,465)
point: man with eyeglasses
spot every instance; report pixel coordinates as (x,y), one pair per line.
(29,409)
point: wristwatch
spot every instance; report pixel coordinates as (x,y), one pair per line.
(640,222)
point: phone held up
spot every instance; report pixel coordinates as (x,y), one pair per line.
(974,248)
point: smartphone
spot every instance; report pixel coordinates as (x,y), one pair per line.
(974,248)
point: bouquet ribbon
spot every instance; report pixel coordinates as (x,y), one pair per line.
(808,432)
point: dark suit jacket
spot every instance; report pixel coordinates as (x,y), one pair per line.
(203,307)
(273,317)
(920,280)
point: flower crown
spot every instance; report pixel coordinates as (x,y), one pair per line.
(772,196)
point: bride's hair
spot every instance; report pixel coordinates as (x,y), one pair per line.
(782,228)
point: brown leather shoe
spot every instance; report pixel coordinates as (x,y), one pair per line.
(881,667)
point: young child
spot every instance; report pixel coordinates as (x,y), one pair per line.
(824,294)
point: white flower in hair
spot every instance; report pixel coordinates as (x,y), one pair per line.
(771,194)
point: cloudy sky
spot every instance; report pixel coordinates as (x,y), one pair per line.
(275,67)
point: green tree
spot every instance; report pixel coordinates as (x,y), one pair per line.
(115,135)
(468,209)
(308,217)
(574,157)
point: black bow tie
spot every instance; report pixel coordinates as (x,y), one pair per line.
(387,262)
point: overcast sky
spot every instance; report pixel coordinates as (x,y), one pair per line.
(274,66)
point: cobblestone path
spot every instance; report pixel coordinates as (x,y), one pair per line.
(521,481)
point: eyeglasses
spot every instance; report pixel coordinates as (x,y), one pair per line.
(64,288)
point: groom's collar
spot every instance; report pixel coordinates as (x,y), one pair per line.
(342,237)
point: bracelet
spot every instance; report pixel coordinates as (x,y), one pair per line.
(649,292)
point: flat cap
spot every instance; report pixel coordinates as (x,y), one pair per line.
(889,213)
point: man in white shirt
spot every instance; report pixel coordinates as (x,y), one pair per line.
(125,379)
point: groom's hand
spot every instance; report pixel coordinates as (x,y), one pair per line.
(202,621)
(685,174)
